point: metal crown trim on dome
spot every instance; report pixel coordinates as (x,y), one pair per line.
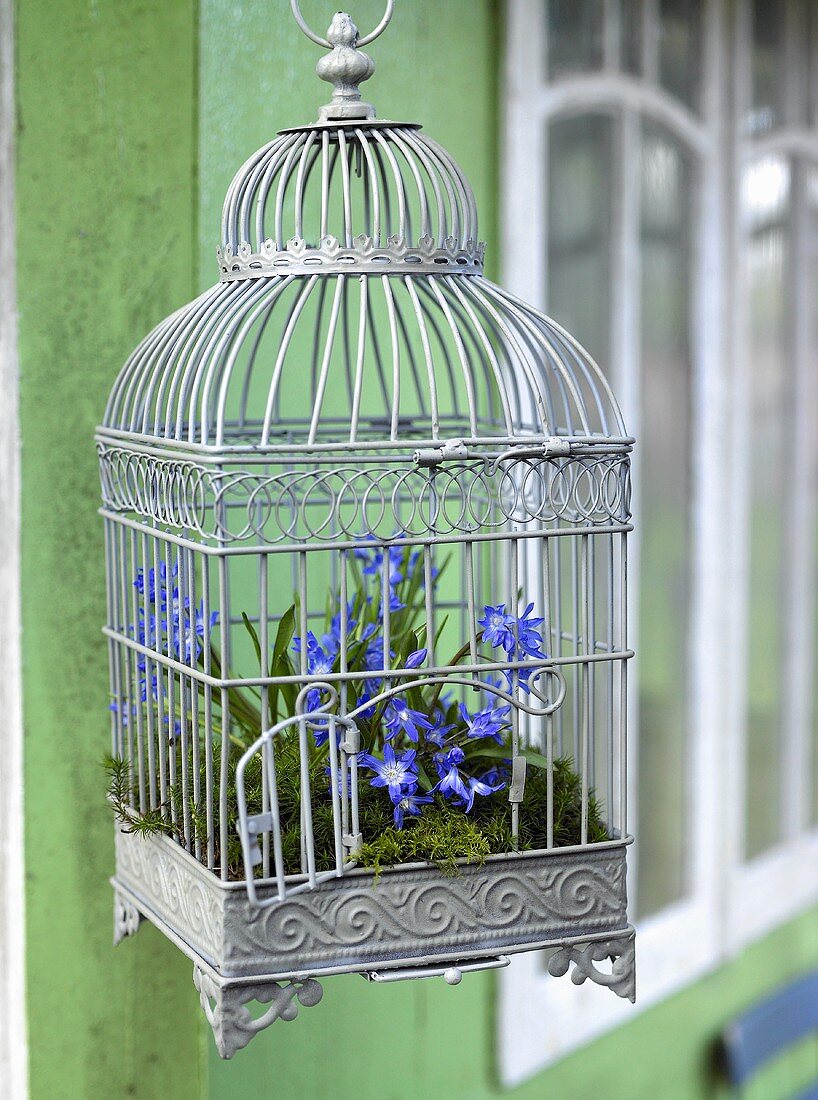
(394,161)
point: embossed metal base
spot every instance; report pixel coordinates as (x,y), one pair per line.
(414,916)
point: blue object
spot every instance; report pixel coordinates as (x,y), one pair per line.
(771,1027)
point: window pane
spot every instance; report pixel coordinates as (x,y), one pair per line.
(575,36)
(665,520)
(765,198)
(680,48)
(579,221)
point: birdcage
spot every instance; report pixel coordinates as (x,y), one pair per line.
(365,519)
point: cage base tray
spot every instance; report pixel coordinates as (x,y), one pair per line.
(412,917)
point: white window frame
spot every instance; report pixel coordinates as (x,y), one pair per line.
(728,903)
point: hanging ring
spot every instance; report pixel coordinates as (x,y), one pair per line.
(364,41)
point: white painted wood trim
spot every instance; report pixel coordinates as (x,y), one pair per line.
(13,1045)
(730,903)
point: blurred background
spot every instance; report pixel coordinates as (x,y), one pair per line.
(647,172)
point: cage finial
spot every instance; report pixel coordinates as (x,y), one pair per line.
(346,66)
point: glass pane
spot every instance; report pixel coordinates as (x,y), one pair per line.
(768,65)
(579,226)
(680,24)
(665,520)
(765,198)
(575,36)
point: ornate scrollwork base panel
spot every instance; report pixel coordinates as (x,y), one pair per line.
(622,952)
(225,1007)
(127,918)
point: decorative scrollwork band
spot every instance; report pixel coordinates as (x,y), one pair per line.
(315,503)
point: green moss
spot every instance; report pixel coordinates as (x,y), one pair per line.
(442,834)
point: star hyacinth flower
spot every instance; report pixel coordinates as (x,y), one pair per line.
(485,723)
(451,782)
(400,718)
(409,804)
(374,562)
(437,734)
(320,662)
(481,787)
(498,627)
(396,773)
(529,638)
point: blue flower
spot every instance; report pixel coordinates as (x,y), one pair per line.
(497,627)
(409,803)
(498,775)
(139,582)
(394,773)
(451,782)
(529,639)
(375,661)
(399,717)
(485,723)
(374,561)
(437,734)
(481,787)
(416,658)
(332,640)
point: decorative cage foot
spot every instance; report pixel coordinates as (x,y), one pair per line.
(127,918)
(622,952)
(225,1007)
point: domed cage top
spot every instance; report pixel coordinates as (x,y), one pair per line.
(366,518)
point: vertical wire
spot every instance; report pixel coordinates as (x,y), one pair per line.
(609,709)
(371,184)
(133,685)
(141,739)
(167,723)
(195,728)
(393,332)
(344,668)
(584,676)
(428,580)
(343,153)
(590,647)
(359,362)
(623,702)
(513,585)
(264,644)
(549,718)
(226,661)
(324,184)
(427,354)
(272,395)
(327,358)
(335,778)
(208,715)
(186,648)
(152,669)
(113,685)
(307,842)
(472,612)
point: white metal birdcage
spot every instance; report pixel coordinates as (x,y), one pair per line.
(334,484)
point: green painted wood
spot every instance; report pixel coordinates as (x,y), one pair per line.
(106,158)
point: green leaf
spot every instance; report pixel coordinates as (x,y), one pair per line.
(251,630)
(284,635)
(499,752)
